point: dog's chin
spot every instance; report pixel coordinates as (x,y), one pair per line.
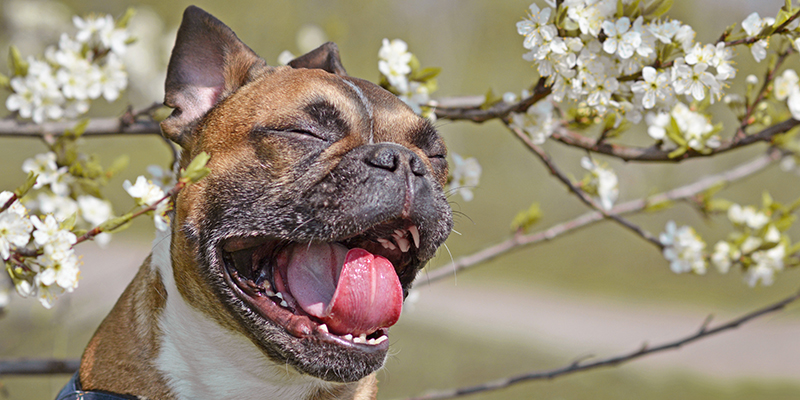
(332,302)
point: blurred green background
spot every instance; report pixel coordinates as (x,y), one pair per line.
(596,292)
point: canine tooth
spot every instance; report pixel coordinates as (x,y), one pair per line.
(348,336)
(386,244)
(323,328)
(403,244)
(284,303)
(414,235)
(381,339)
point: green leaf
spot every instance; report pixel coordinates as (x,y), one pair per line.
(657,8)
(5,82)
(90,187)
(29,182)
(425,74)
(678,152)
(79,129)
(526,219)
(117,224)
(123,21)
(17,65)
(196,170)
(118,165)
(620,9)
(784,223)
(414,63)
(766,200)
(659,205)
(69,223)
(490,99)
(715,205)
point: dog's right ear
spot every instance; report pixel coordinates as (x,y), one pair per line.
(207,64)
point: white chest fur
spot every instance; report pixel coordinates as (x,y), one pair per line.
(201,360)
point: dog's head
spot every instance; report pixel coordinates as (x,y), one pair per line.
(323,202)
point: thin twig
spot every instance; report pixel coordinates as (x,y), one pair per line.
(474,113)
(753,39)
(579,366)
(582,195)
(39,367)
(519,241)
(132,122)
(656,153)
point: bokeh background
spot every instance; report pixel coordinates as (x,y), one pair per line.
(597,292)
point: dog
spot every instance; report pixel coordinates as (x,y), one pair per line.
(287,264)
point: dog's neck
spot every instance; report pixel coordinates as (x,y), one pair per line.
(200,359)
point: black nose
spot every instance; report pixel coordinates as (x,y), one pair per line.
(391,157)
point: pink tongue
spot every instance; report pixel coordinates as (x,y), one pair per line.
(353,291)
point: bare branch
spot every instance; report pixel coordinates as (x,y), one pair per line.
(579,192)
(39,367)
(519,241)
(656,153)
(580,366)
(452,110)
(132,123)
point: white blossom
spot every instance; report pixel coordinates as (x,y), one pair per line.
(752,24)
(794,104)
(465,175)
(15,230)
(603,180)
(656,124)
(748,216)
(16,207)
(759,50)
(654,86)
(786,84)
(535,28)
(721,257)
(766,264)
(664,31)
(46,230)
(49,173)
(620,39)
(694,80)
(93,210)
(538,121)
(144,191)
(683,248)
(393,63)
(285,57)
(61,207)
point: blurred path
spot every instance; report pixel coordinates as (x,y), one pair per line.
(573,326)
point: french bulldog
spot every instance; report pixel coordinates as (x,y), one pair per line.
(287,264)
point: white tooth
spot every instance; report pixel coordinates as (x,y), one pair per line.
(348,337)
(279,295)
(269,292)
(363,336)
(403,244)
(323,328)
(387,244)
(414,235)
(284,303)
(361,339)
(371,342)
(400,233)
(381,339)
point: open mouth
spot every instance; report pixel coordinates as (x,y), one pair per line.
(346,292)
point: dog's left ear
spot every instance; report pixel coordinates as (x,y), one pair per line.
(325,57)
(207,64)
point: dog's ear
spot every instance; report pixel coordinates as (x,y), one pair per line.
(325,57)
(207,64)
